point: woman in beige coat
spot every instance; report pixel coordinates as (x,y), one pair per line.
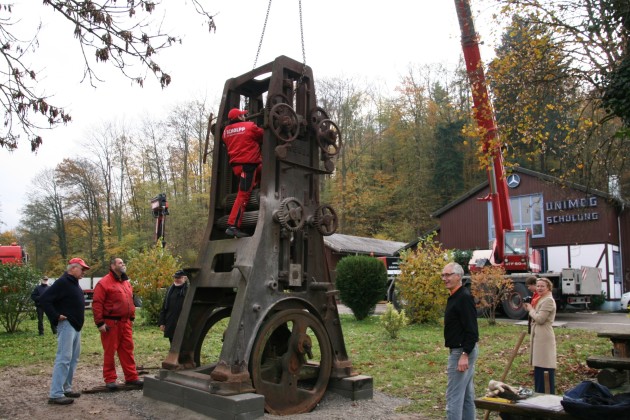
(543,339)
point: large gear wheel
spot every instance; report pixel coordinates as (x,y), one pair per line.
(291,214)
(317,115)
(326,220)
(291,362)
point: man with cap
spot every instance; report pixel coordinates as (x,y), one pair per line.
(114,312)
(243,139)
(64,304)
(37,293)
(173,303)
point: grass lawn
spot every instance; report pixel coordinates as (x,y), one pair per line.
(412,366)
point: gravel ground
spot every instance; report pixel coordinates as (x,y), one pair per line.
(25,396)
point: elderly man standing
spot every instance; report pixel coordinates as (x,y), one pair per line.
(114,313)
(173,304)
(461,334)
(64,304)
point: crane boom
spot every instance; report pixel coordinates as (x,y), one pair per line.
(484,114)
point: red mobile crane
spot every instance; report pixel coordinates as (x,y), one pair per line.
(511,248)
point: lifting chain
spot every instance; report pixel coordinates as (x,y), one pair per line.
(262,35)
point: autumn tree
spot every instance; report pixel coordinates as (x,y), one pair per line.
(593,35)
(118,34)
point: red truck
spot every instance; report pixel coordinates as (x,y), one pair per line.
(13,253)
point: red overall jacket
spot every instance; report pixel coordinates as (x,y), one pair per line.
(243,140)
(113,299)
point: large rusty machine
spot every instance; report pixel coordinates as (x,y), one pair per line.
(260,317)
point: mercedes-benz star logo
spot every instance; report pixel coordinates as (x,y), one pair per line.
(513,180)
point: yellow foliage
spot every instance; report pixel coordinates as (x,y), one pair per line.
(420,286)
(150,272)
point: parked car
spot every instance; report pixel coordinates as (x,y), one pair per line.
(625,301)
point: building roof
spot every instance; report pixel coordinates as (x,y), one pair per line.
(348,244)
(544,177)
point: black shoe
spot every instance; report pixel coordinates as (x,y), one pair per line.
(60,401)
(71,394)
(112,386)
(138,382)
(234,232)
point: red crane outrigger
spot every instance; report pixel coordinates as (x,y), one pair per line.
(511,248)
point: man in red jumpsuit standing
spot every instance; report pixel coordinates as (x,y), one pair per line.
(114,313)
(243,140)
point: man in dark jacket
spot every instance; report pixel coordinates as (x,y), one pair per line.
(114,312)
(173,303)
(243,139)
(461,334)
(37,293)
(64,304)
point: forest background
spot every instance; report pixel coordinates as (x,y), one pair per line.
(560,83)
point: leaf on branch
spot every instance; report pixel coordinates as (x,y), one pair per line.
(102,54)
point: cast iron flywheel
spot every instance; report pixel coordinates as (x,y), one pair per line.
(291,362)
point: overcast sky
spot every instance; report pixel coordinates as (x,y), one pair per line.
(372,41)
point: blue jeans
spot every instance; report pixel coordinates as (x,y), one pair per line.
(68,350)
(460,389)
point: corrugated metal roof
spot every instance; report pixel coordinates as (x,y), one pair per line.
(348,244)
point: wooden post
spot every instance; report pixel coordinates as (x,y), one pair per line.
(547,385)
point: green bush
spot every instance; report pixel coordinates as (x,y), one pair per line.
(462,257)
(598,300)
(362,283)
(16,284)
(393,321)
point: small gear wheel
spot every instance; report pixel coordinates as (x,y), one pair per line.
(284,122)
(329,137)
(326,220)
(291,214)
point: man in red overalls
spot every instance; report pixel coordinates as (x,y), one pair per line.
(243,139)
(114,313)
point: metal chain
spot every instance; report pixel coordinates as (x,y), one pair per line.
(262,35)
(303,49)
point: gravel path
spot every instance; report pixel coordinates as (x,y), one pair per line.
(24,396)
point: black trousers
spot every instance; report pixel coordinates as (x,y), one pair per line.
(40,321)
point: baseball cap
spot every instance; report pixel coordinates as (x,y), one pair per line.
(179,273)
(235,113)
(80,262)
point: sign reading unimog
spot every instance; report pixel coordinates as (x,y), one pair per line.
(573,210)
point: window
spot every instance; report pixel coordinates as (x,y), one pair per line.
(527,213)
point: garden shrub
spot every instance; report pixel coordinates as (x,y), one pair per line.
(362,283)
(393,321)
(490,287)
(16,284)
(151,272)
(420,287)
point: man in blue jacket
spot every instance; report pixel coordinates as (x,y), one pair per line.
(64,305)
